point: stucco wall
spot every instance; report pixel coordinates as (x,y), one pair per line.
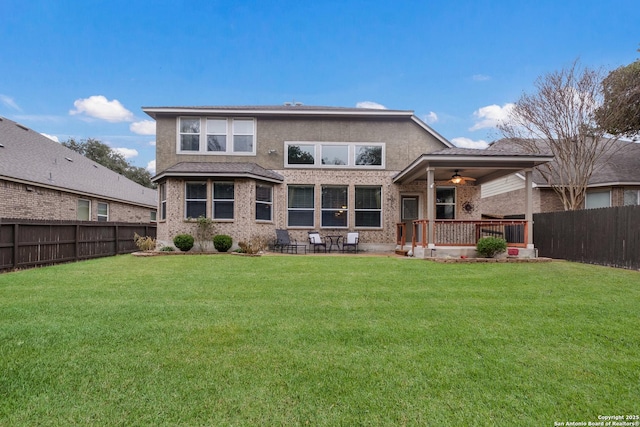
(18,200)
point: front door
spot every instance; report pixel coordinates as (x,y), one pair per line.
(410,211)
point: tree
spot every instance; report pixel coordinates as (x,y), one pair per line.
(559,118)
(620,111)
(104,155)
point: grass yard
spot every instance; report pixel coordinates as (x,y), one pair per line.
(297,340)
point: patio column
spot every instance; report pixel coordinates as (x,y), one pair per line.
(431,207)
(528,198)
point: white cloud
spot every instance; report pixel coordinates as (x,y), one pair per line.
(152,143)
(151,167)
(463,142)
(9,102)
(431,117)
(370,104)
(144,127)
(99,107)
(51,137)
(491,115)
(480,77)
(127,153)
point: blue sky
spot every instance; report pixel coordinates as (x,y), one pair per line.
(84,69)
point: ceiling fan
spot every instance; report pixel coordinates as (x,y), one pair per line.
(457,179)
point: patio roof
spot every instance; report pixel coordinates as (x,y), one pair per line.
(483,165)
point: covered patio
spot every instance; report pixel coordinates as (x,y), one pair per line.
(435,236)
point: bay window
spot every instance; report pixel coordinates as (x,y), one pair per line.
(223,200)
(195,199)
(264,202)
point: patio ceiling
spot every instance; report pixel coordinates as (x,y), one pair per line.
(483,165)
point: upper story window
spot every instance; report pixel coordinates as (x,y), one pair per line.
(213,135)
(335,154)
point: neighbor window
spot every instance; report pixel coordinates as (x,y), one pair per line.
(631,197)
(264,202)
(445,203)
(196,199)
(300,206)
(153,216)
(368,206)
(223,198)
(103,212)
(597,199)
(335,154)
(334,206)
(84,210)
(220,135)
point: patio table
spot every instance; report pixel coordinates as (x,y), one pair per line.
(334,240)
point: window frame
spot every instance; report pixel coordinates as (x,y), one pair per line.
(454,204)
(99,215)
(187,200)
(597,192)
(356,209)
(78,209)
(215,201)
(203,146)
(311,209)
(162,193)
(268,204)
(343,210)
(631,191)
(352,153)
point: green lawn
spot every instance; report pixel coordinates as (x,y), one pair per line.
(297,340)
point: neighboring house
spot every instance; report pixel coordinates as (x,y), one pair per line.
(615,182)
(42,179)
(257,169)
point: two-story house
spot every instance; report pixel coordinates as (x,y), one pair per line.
(256,169)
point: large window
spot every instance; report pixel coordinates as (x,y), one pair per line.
(163,201)
(335,154)
(213,135)
(334,206)
(196,199)
(264,202)
(84,210)
(598,199)
(223,197)
(445,203)
(368,206)
(103,212)
(300,206)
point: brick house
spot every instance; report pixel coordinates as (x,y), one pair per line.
(614,182)
(42,179)
(257,169)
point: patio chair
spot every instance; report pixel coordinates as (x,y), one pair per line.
(351,243)
(284,243)
(316,242)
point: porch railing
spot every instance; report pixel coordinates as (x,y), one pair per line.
(464,233)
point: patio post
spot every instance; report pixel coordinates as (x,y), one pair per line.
(431,204)
(529,207)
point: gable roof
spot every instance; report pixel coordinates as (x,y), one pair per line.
(621,168)
(31,158)
(297,110)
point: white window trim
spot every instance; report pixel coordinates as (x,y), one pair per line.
(162,192)
(593,192)
(264,203)
(186,201)
(361,227)
(302,209)
(323,209)
(203,137)
(317,156)
(99,215)
(455,200)
(78,208)
(214,200)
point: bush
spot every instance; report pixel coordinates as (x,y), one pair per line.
(184,242)
(145,243)
(253,246)
(222,242)
(167,249)
(488,247)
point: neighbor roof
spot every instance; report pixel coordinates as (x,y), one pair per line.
(621,168)
(31,158)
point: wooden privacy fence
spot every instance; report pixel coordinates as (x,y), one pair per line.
(607,236)
(29,243)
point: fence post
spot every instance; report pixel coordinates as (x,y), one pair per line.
(16,229)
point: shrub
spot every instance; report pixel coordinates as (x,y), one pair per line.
(222,242)
(145,243)
(490,246)
(255,245)
(204,231)
(184,242)
(167,249)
